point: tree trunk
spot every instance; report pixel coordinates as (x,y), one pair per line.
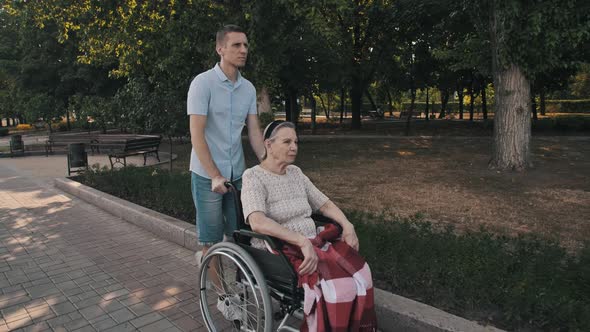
(356,96)
(471,99)
(460,95)
(426,108)
(444,100)
(542,97)
(326,112)
(313,113)
(263,101)
(373,105)
(533,105)
(390,100)
(512,120)
(170,145)
(484,102)
(294,106)
(329,108)
(341,104)
(287,106)
(411,112)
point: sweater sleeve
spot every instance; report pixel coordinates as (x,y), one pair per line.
(315,197)
(253,195)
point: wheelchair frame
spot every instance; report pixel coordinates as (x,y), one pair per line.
(273,273)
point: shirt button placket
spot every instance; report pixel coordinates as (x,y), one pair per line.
(231,140)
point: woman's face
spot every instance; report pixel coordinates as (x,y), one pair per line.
(283,147)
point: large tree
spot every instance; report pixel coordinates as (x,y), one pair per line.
(526,38)
(360,34)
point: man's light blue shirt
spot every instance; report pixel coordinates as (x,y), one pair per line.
(226,105)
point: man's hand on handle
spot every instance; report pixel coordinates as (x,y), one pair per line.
(218,185)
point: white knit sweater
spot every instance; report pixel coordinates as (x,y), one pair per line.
(288,199)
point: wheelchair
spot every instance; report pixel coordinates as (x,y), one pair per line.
(255,281)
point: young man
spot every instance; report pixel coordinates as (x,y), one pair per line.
(220,103)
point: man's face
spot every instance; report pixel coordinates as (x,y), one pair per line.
(234,51)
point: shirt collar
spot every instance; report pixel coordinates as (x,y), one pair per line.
(224,78)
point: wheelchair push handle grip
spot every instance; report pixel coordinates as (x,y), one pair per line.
(229,185)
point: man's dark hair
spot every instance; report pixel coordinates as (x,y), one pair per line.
(220,36)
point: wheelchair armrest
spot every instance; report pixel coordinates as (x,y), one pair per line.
(273,242)
(321,220)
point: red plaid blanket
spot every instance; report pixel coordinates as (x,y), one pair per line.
(339,295)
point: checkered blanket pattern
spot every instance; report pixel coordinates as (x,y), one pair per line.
(339,295)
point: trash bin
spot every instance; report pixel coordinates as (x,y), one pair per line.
(77,158)
(16,145)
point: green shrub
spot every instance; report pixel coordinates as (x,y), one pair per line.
(160,190)
(3,132)
(568,106)
(563,124)
(522,282)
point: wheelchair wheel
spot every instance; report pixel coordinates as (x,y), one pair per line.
(234,295)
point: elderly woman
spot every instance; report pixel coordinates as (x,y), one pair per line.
(278,200)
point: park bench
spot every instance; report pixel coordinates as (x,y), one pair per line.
(61,141)
(376,114)
(139,145)
(415,114)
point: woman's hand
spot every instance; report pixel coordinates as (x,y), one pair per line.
(310,261)
(349,236)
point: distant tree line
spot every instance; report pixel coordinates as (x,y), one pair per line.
(129,63)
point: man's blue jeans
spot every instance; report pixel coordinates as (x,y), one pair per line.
(216,214)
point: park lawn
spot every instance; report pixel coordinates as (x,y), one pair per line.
(445,180)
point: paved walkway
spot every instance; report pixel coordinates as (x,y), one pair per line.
(66,265)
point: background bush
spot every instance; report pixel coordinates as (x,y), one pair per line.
(160,190)
(568,106)
(3,131)
(24,126)
(516,283)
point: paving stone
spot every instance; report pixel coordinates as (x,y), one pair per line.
(76,324)
(63,308)
(92,312)
(87,328)
(58,321)
(38,327)
(146,319)
(103,322)
(157,326)
(42,290)
(123,315)
(125,327)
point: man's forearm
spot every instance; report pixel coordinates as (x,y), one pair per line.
(255,137)
(199,144)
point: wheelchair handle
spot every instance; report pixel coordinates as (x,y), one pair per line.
(229,185)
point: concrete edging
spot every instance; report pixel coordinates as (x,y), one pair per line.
(394,312)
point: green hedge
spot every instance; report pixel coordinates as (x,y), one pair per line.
(568,106)
(551,106)
(163,191)
(3,132)
(514,283)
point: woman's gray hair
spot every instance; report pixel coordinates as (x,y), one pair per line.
(272,135)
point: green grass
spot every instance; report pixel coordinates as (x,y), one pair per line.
(518,283)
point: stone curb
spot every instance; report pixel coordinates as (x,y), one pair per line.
(394,312)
